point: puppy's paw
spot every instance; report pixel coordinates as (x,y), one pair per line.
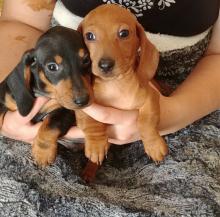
(96,152)
(43,153)
(89,172)
(157,149)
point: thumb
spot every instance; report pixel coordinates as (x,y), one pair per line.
(110,115)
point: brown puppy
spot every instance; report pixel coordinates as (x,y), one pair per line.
(123,62)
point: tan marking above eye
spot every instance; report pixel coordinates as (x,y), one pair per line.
(37,5)
(58,59)
(81,52)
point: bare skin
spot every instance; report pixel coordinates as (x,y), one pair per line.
(196,97)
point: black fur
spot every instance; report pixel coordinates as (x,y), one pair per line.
(3,91)
(67,117)
(3,109)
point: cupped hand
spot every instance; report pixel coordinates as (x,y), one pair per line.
(122,125)
(20,128)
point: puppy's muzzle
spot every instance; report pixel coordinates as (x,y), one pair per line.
(82,100)
(106,65)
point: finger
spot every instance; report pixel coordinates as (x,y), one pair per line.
(110,115)
(39,102)
(25,134)
(121,142)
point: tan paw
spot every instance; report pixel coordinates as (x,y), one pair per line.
(96,152)
(44,154)
(157,149)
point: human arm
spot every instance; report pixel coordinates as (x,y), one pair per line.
(21,25)
(199,94)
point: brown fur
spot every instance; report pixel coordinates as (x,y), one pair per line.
(44,148)
(126,86)
(63,91)
(89,172)
(97,145)
(81,52)
(58,59)
(27,76)
(51,105)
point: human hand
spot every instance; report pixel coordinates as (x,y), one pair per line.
(20,128)
(122,125)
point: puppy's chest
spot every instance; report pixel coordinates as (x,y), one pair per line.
(119,95)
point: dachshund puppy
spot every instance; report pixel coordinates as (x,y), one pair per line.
(123,63)
(58,68)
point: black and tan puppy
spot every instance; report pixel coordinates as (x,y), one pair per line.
(58,67)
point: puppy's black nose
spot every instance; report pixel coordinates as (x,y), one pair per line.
(106,64)
(82,100)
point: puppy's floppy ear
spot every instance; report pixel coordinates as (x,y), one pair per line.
(79,28)
(18,83)
(149,57)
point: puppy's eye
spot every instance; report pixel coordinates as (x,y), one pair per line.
(124,33)
(52,67)
(90,36)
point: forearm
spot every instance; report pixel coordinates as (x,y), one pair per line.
(15,38)
(21,24)
(198,96)
(35,13)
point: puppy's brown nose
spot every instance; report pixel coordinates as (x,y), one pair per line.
(106,64)
(82,100)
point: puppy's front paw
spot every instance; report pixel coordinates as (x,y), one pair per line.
(157,149)
(43,153)
(96,152)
